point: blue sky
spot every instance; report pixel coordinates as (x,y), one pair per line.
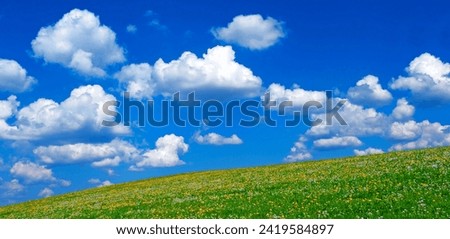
(61,60)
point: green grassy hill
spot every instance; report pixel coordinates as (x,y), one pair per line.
(412,184)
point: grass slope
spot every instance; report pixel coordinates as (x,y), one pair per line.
(412,184)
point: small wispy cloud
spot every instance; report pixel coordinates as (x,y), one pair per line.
(132,28)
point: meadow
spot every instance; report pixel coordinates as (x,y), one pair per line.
(408,184)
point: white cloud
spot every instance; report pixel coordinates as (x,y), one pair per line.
(296,95)
(403,111)
(82,61)
(78,116)
(217,74)
(105,183)
(131,28)
(360,122)
(430,135)
(369,92)
(166,154)
(13,77)
(99,183)
(102,155)
(80,42)
(251,31)
(405,131)
(108,162)
(94,181)
(337,142)
(11,188)
(8,107)
(216,139)
(368,151)
(299,152)
(32,172)
(428,79)
(364,122)
(110,172)
(65,183)
(369,122)
(138,80)
(46,192)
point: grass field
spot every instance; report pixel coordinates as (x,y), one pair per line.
(411,184)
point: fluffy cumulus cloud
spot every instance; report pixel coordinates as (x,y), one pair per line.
(46,192)
(405,131)
(99,183)
(105,183)
(32,172)
(403,111)
(426,73)
(369,92)
(422,135)
(79,115)
(428,79)
(166,154)
(360,122)
(138,80)
(299,152)
(369,122)
(368,151)
(79,41)
(217,139)
(11,188)
(13,77)
(337,142)
(8,107)
(397,127)
(296,95)
(364,121)
(215,74)
(101,155)
(251,31)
